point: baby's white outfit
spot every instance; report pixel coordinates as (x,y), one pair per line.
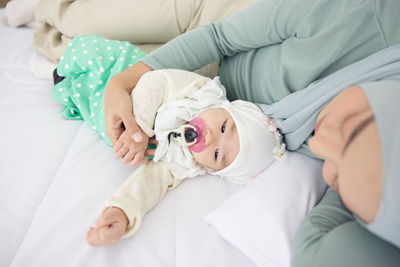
(163,100)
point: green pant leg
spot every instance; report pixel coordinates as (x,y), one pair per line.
(330,236)
(88,62)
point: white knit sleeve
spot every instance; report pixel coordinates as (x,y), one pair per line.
(156,88)
(141,192)
(148,95)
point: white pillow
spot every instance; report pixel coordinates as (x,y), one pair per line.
(263,217)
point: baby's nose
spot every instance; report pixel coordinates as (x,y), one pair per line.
(208,137)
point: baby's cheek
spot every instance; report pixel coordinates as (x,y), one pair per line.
(201,158)
(196,156)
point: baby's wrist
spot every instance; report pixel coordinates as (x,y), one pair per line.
(120,213)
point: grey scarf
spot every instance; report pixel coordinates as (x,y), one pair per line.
(297,113)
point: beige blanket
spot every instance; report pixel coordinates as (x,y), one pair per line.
(147,24)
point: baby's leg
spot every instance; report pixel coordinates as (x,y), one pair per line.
(57,78)
(88,62)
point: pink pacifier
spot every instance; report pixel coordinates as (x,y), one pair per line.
(199,145)
(190,135)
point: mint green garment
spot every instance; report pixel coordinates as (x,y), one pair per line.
(330,236)
(277,47)
(87,64)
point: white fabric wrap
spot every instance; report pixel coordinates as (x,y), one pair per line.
(173,114)
(257,141)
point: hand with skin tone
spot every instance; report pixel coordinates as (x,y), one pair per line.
(118,109)
(108,228)
(134,149)
(131,148)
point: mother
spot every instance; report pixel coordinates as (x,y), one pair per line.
(271,50)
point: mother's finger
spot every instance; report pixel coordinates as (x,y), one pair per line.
(122,152)
(129,156)
(137,159)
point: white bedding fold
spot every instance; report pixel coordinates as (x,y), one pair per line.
(34,139)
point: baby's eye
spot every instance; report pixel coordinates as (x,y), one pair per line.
(223,127)
(216,154)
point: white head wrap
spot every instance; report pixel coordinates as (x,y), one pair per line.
(260,141)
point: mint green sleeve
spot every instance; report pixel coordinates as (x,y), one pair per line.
(262,24)
(330,237)
(276,47)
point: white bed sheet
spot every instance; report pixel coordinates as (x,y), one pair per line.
(33,143)
(55,175)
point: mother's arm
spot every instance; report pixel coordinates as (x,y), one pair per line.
(262,24)
(265,23)
(330,236)
(118,103)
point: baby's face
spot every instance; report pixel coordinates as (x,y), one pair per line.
(221,139)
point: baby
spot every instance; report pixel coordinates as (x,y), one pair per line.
(198,131)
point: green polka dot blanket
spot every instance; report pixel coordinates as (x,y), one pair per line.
(87,64)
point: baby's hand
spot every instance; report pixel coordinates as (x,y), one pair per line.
(131,148)
(108,228)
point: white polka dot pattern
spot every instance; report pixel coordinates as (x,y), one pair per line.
(86,74)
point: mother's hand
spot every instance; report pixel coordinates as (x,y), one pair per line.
(118,104)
